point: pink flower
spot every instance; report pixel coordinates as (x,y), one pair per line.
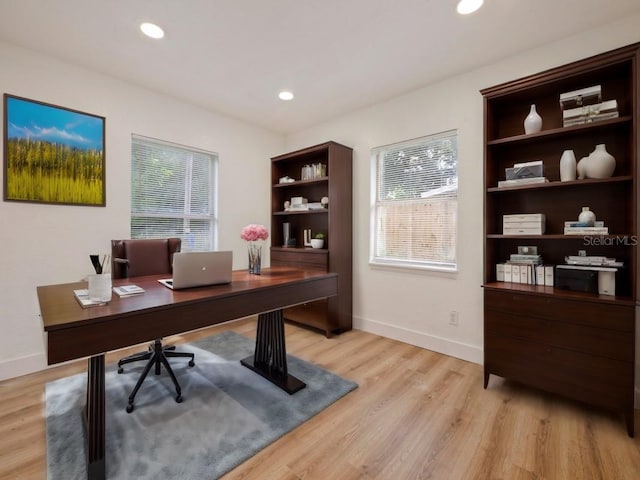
(254,232)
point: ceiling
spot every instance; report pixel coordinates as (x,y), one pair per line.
(234,56)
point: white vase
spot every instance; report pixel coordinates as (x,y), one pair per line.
(533,122)
(600,163)
(582,168)
(587,216)
(567,166)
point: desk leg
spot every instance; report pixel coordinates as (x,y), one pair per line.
(270,356)
(94,412)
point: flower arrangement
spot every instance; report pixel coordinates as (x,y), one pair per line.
(252,233)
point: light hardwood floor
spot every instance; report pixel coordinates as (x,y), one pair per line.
(416,415)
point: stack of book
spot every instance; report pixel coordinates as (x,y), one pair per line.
(579,228)
(592,261)
(586,105)
(523,174)
(525,268)
(128,290)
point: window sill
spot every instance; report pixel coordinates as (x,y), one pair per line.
(413,267)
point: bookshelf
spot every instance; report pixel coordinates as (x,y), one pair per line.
(332,315)
(576,344)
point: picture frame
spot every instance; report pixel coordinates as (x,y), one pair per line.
(53,154)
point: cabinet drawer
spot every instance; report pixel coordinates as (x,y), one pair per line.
(585,312)
(581,338)
(596,380)
(300,257)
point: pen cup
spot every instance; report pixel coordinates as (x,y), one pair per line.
(100,287)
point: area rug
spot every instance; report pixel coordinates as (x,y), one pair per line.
(229,413)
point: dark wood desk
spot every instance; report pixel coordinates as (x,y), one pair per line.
(74,332)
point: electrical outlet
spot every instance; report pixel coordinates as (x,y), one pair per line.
(453,318)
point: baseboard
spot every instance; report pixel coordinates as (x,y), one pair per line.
(464,351)
(17,367)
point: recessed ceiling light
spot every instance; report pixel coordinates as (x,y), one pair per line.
(469,6)
(285,95)
(151,30)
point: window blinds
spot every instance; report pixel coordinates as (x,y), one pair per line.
(172,193)
(416,207)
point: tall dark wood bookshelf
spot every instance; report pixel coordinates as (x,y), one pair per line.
(332,315)
(580,345)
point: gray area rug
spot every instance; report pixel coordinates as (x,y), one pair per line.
(229,414)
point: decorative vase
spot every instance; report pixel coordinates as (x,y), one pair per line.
(567,166)
(587,217)
(533,122)
(601,163)
(581,168)
(255,258)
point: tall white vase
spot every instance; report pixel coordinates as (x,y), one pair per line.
(567,166)
(533,122)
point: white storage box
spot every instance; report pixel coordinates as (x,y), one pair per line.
(523,224)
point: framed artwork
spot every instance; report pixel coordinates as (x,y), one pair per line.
(52,154)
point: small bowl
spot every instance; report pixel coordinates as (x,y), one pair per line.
(317,242)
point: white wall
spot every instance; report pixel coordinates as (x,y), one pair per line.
(414,306)
(46,244)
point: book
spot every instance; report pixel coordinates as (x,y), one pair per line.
(128,290)
(586,230)
(82,296)
(522,181)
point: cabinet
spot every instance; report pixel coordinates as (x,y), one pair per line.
(580,345)
(332,315)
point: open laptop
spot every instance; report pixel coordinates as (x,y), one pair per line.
(197,269)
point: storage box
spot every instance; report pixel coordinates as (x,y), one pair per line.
(523,224)
(526,171)
(578,280)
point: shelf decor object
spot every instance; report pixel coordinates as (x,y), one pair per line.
(568,166)
(587,217)
(533,121)
(599,164)
(322,175)
(575,342)
(253,234)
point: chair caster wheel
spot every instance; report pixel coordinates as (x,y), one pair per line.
(179,399)
(192,363)
(129,408)
(120,369)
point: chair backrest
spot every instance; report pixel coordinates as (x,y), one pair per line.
(134,258)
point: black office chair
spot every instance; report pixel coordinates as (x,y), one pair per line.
(134,258)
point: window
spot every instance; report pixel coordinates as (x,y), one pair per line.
(414,211)
(172,193)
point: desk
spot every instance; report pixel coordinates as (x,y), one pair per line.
(74,332)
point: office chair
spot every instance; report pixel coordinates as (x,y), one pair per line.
(134,258)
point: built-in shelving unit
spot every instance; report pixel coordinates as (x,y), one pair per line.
(580,345)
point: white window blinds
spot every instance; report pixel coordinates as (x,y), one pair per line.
(416,203)
(172,193)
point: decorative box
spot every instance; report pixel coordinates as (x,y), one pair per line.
(523,224)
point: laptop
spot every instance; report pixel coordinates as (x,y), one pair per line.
(197,269)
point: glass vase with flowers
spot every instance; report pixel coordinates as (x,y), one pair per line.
(255,234)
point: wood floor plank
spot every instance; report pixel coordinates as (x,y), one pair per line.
(416,415)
